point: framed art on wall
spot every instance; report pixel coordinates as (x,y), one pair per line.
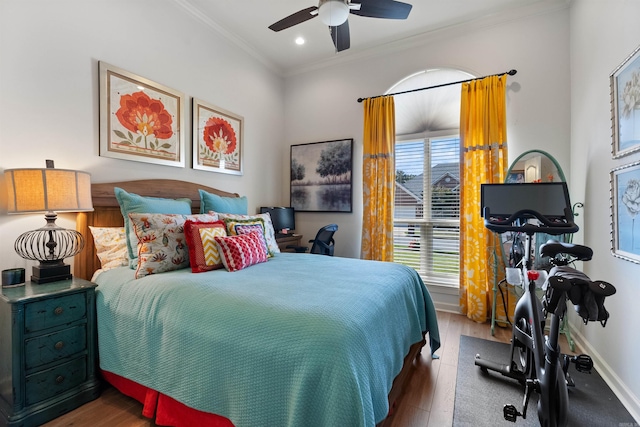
(515,177)
(217,139)
(321,176)
(140,120)
(625,206)
(625,106)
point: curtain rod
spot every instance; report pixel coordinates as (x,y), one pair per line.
(510,72)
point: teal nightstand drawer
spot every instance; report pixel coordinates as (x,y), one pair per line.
(54,346)
(54,311)
(48,350)
(56,380)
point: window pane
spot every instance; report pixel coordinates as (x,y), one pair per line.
(427,208)
(409,179)
(445,178)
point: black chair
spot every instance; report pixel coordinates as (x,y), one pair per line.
(323,243)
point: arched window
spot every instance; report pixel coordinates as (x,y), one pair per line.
(427,198)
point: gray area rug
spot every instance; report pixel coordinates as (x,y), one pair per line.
(480,396)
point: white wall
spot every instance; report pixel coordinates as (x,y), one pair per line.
(603,34)
(321,105)
(49,53)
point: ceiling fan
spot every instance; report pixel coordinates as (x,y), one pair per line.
(334,13)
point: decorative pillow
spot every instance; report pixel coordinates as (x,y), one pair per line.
(162,244)
(131,202)
(111,246)
(246,226)
(231,205)
(203,251)
(241,251)
(269,234)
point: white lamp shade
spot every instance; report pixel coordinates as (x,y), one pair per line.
(48,190)
(333,12)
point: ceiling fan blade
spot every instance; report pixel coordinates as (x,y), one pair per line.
(295,19)
(340,36)
(387,9)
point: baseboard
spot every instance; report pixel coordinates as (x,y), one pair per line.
(619,388)
(449,308)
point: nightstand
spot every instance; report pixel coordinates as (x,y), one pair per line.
(48,351)
(285,240)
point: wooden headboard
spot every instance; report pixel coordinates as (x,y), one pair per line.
(107,211)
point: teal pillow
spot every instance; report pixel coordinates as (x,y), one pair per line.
(230,205)
(131,202)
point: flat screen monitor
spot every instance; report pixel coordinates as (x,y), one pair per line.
(282,217)
(547,198)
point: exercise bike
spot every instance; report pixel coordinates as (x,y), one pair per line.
(535,359)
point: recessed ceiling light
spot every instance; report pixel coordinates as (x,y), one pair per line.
(299,41)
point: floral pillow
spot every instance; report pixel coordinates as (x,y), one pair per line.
(111,246)
(242,251)
(162,244)
(203,251)
(131,202)
(269,234)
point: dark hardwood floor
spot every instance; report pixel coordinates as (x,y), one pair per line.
(427,399)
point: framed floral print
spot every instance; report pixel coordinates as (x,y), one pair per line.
(217,139)
(625,106)
(140,120)
(625,207)
(321,176)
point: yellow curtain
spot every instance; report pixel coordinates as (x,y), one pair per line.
(483,141)
(379,177)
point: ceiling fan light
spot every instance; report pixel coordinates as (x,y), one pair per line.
(333,12)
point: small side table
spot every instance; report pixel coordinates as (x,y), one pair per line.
(285,240)
(49,350)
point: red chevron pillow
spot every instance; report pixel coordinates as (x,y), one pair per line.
(203,250)
(242,251)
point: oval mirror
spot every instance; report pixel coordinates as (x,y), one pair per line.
(535,166)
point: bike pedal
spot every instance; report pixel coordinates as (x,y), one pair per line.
(569,381)
(510,413)
(583,362)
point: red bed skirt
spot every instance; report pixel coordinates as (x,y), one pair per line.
(167,411)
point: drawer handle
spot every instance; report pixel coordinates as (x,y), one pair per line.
(58,311)
(59,379)
(59,345)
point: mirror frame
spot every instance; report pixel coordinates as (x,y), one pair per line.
(543,153)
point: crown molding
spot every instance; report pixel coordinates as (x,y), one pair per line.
(233,38)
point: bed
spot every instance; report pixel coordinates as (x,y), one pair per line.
(299,339)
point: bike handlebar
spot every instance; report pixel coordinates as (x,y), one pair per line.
(557,226)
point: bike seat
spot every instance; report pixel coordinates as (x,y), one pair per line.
(553,248)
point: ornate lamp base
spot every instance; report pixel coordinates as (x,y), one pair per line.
(50,245)
(50,272)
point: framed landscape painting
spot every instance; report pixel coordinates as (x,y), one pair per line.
(625,106)
(321,176)
(140,120)
(625,206)
(217,139)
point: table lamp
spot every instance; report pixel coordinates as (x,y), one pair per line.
(48,190)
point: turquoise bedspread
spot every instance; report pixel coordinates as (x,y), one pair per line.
(301,340)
